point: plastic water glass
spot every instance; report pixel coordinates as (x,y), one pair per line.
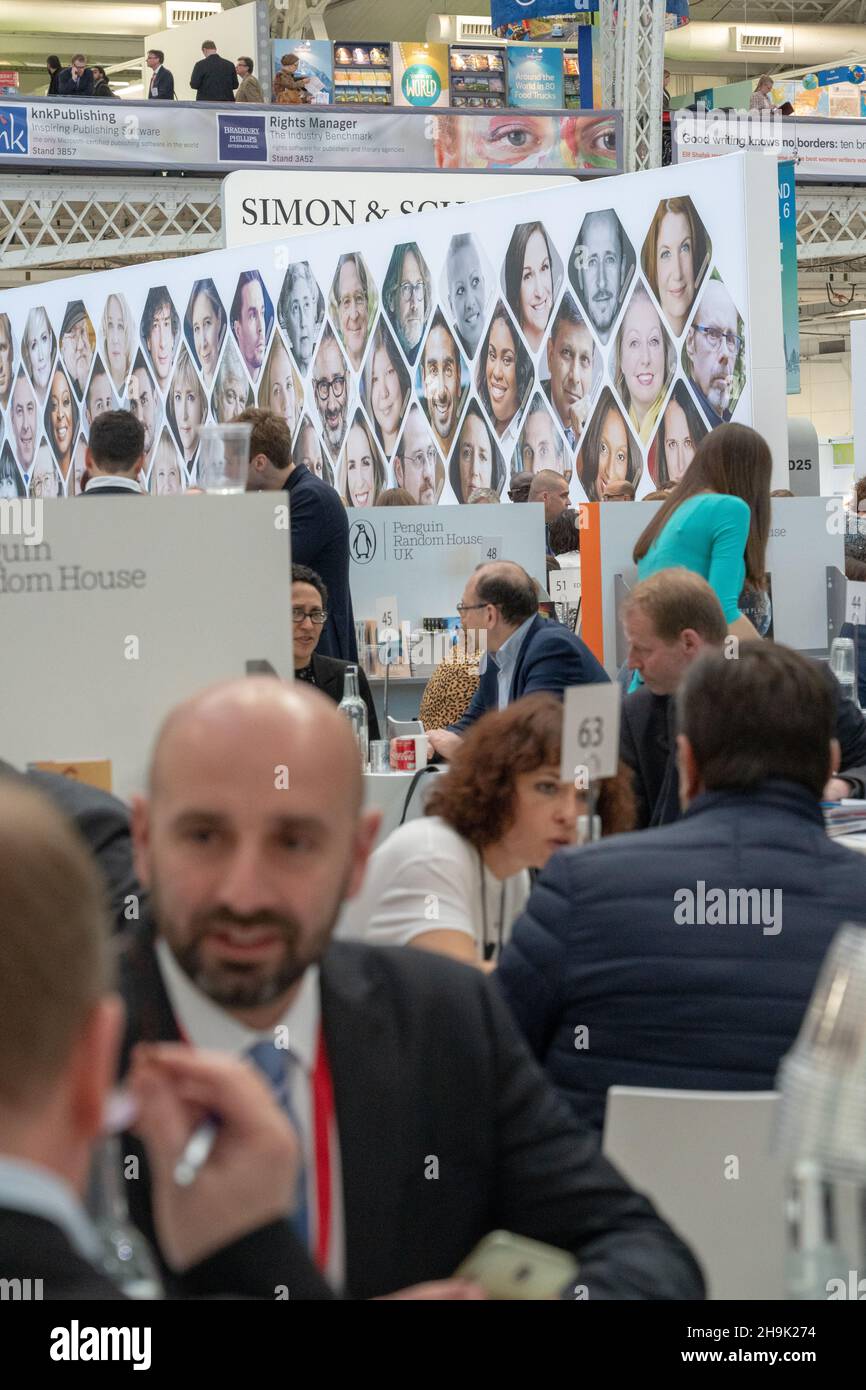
(224,458)
(843,665)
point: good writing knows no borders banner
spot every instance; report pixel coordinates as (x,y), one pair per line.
(600,330)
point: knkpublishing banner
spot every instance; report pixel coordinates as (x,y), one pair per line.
(169,135)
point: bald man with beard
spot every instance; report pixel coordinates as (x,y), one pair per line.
(251,837)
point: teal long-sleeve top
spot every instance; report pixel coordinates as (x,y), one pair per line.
(708,535)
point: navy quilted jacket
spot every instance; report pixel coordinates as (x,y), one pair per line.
(606,944)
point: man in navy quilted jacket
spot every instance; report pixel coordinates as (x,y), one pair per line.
(685,956)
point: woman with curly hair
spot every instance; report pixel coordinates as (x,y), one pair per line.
(504,377)
(454,880)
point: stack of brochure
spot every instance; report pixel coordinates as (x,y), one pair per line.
(845,818)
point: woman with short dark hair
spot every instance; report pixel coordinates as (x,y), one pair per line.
(454,880)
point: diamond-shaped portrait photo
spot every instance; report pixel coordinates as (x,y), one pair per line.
(300,311)
(531,279)
(417,465)
(609,464)
(504,377)
(187,407)
(407,297)
(675,258)
(331,388)
(143,402)
(353,302)
(442,381)
(361,474)
(714,354)
(231,393)
(574,369)
(385,387)
(7,359)
(166,474)
(681,430)
(601,268)
(23,421)
(281,389)
(75,481)
(252,317)
(309,452)
(117,339)
(644,362)
(204,327)
(468,285)
(38,348)
(45,481)
(541,446)
(61,420)
(476,461)
(160,333)
(77,345)
(11,481)
(99,396)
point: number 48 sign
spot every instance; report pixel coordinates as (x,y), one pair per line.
(590,733)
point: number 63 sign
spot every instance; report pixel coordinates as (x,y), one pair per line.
(590,733)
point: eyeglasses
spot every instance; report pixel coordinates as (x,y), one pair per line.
(714,337)
(317,616)
(323,388)
(467,607)
(353,301)
(412,290)
(423,456)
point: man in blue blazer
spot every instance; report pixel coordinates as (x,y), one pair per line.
(317,519)
(525,652)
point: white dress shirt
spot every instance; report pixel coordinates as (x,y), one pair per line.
(208,1025)
(104,480)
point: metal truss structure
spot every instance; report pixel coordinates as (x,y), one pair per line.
(46,220)
(632,55)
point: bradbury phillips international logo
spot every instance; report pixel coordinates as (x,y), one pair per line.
(13,130)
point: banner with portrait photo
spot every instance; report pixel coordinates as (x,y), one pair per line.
(601,336)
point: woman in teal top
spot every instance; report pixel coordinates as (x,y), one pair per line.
(717,520)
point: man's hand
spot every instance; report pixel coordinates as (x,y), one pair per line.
(443,742)
(837,789)
(250,1177)
(577,415)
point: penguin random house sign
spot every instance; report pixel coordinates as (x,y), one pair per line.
(275,205)
(124,607)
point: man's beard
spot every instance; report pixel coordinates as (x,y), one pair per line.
(238,985)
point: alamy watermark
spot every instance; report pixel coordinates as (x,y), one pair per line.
(729,907)
(22,516)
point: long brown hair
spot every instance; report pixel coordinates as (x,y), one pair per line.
(736,460)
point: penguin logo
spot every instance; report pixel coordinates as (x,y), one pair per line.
(362,542)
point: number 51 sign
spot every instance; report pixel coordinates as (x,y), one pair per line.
(590,733)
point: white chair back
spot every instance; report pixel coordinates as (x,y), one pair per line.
(703,1158)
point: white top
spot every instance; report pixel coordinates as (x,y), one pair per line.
(208,1025)
(426,877)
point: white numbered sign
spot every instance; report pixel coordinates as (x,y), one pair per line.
(387,617)
(855,603)
(564,586)
(590,733)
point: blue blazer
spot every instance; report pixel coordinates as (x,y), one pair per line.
(551,659)
(320,539)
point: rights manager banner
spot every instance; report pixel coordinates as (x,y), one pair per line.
(200,137)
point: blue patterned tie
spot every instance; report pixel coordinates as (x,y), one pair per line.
(275,1063)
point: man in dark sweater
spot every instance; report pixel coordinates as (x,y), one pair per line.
(669,619)
(319,525)
(213,78)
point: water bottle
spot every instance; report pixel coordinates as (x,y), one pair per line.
(356,712)
(843,665)
(127,1259)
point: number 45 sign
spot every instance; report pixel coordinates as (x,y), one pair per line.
(590,733)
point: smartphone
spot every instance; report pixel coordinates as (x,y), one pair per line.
(514,1267)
